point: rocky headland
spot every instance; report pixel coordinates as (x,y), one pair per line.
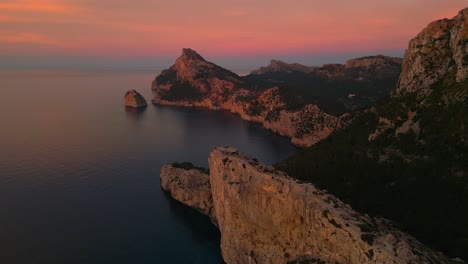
(403,158)
(406,157)
(194,82)
(265,216)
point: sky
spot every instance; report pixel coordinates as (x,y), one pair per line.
(148,33)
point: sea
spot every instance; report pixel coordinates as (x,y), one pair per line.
(79,173)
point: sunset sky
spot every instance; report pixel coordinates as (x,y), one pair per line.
(35,32)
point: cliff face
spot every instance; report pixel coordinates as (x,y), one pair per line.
(433,82)
(437,53)
(190,186)
(288,111)
(267,217)
(406,158)
(134,99)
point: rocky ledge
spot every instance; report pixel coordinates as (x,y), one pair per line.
(267,217)
(134,99)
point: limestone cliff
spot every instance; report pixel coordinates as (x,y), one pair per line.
(189,185)
(193,81)
(437,53)
(406,158)
(433,81)
(134,99)
(267,217)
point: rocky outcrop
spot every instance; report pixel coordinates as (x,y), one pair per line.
(434,77)
(194,82)
(438,53)
(267,217)
(192,78)
(190,186)
(134,99)
(280,66)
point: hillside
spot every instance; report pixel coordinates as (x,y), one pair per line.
(405,159)
(335,88)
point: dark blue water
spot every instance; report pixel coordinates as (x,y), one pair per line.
(79,175)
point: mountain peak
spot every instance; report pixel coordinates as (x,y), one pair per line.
(190,54)
(277,62)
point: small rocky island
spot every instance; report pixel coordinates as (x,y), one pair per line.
(134,99)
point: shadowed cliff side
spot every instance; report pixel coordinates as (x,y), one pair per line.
(405,159)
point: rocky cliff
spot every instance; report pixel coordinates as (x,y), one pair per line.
(267,217)
(134,99)
(437,53)
(406,158)
(433,82)
(189,185)
(290,111)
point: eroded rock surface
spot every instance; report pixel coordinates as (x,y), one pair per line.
(438,52)
(267,217)
(190,186)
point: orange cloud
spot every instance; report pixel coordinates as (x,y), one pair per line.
(37,6)
(32,38)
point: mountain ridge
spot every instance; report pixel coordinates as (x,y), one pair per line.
(291,112)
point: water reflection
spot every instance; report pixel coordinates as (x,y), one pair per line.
(135,114)
(79,177)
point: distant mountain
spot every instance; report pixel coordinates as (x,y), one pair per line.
(335,88)
(280,66)
(406,158)
(303,103)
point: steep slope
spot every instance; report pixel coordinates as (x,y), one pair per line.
(406,158)
(291,110)
(335,88)
(192,81)
(267,217)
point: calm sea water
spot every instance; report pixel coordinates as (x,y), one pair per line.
(79,175)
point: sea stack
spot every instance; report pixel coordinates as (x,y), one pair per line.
(134,99)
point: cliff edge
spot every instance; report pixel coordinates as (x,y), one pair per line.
(267,217)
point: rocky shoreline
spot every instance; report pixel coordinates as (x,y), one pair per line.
(194,82)
(264,215)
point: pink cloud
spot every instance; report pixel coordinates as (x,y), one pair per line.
(32,38)
(37,5)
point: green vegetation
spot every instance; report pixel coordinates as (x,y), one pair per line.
(418,181)
(329,93)
(188,166)
(182,92)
